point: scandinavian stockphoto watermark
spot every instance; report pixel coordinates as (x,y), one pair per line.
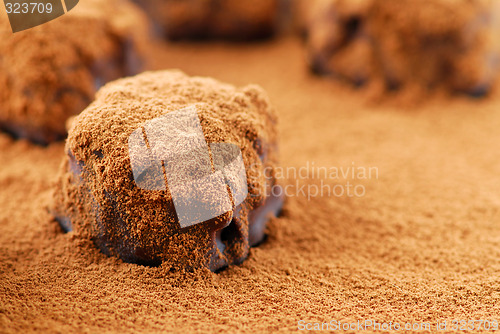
(25,14)
(205,180)
(443,325)
(314,180)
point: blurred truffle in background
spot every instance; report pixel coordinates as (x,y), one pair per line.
(419,45)
(52,71)
(225,19)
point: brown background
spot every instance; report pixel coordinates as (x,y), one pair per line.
(422,245)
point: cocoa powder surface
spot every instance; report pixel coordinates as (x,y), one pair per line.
(422,244)
(96,189)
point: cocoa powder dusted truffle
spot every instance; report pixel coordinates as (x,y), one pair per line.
(233,19)
(167,168)
(52,71)
(417,44)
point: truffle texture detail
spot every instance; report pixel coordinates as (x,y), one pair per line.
(130,203)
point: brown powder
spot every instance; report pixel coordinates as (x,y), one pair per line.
(421,245)
(97,191)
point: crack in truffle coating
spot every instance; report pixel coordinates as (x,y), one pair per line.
(233,19)
(96,194)
(52,71)
(407,44)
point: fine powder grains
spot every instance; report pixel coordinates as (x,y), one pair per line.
(114,194)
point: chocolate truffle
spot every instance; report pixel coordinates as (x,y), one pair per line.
(150,163)
(231,19)
(418,44)
(52,71)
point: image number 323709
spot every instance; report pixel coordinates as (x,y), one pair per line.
(26,14)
